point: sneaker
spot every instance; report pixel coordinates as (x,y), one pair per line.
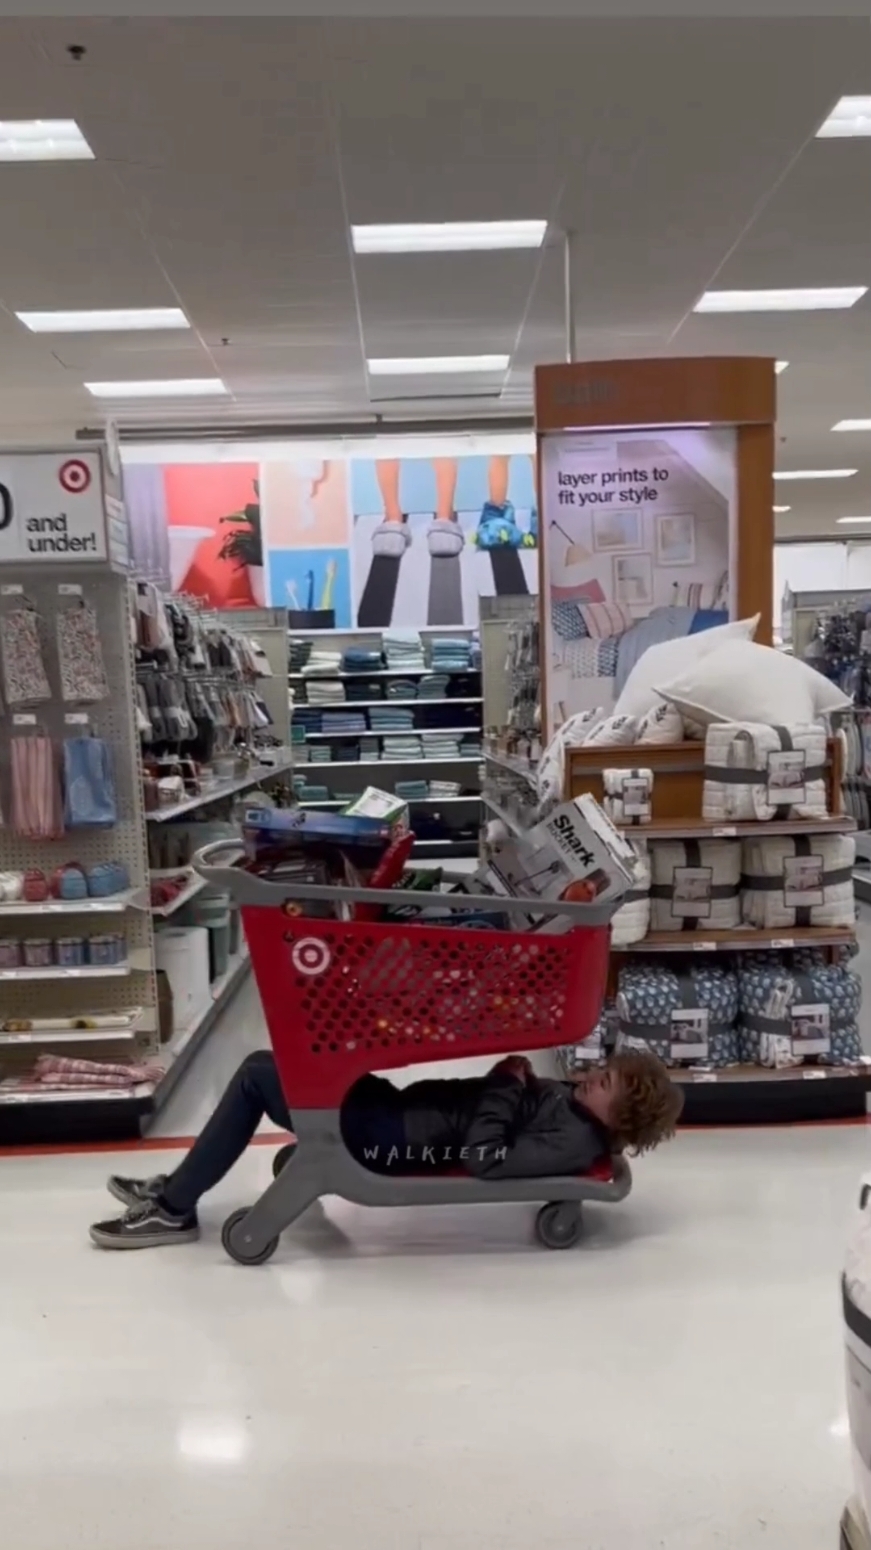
(133,1192)
(497,527)
(146,1226)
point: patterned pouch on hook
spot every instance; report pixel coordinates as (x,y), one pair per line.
(24,675)
(82,672)
(37,812)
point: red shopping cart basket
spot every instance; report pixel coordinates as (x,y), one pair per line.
(346,997)
(343,998)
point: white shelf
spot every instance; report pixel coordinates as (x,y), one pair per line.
(195,886)
(355,764)
(423,699)
(505,762)
(77,1095)
(512,824)
(225,788)
(71,1036)
(116,904)
(341,737)
(88,971)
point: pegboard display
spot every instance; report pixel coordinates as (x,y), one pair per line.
(46,591)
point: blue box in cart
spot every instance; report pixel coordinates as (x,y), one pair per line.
(267,826)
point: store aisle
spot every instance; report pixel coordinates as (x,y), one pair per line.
(430,1380)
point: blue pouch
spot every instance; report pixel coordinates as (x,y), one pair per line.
(89,784)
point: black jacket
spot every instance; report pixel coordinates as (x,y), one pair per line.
(498,1128)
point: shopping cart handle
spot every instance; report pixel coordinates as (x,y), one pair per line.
(247,888)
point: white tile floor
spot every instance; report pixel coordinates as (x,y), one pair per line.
(431,1381)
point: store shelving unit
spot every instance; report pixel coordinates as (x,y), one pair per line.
(460,837)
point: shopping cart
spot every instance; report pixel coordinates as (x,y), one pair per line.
(343,998)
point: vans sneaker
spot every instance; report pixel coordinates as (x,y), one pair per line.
(146,1226)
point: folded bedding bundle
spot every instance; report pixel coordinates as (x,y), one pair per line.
(628,795)
(798,880)
(792,1013)
(757,773)
(631,923)
(687,1016)
(695,885)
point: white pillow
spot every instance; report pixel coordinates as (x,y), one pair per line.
(613,732)
(746,682)
(664,724)
(660,664)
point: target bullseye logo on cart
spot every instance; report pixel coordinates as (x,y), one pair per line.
(75,476)
(310,956)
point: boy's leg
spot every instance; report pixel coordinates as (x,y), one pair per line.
(165,1209)
(254,1091)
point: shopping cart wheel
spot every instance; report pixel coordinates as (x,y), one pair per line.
(559,1224)
(234,1243)
(282,1156)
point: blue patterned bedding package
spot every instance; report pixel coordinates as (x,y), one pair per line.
(686,1015)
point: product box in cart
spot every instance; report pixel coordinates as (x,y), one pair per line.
(575,855)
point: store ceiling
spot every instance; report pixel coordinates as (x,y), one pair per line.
(231,156)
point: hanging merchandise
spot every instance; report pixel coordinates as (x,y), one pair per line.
(80,654)
(89,784)
(24,675)
(37,805)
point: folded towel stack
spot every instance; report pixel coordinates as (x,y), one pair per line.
(337,721)
(412,790)
(298,653)
(370,749)
(363,689)
(308,793)
(451,654)
(319,753)
(444,788)
(322,661)
(471,747)
(403,649)
(442,747)
(362,659)
(307,718)
(391,719)
(402,750)
(435,687)
(326,691)
(401,689)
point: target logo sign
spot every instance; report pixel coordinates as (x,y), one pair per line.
(310,956)
(75,476)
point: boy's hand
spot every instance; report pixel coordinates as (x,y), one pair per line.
(514,1065)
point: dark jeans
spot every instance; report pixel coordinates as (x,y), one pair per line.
(254,1091)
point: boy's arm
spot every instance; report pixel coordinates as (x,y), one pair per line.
(495,1150)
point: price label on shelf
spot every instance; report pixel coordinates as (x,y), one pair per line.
(12,589)
(704,947)
(76,718)
(814,1076)
(727,833)
(69,589)
(783,942)
(24,719)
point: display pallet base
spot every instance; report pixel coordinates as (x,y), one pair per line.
(750,1095)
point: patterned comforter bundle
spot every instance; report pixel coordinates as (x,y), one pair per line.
(687,1016)
(798,1011)
(696,885)
(632,921)
(757,773)
(798,880)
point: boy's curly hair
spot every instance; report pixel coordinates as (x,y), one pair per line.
(649,1104)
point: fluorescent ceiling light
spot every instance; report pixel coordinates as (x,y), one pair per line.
(103,321)
(822,298)
(852,425)
(448,236)
(435,365)
(779,510)
(43,139)
(851,116)
(172,387)
(815,473)
(780,366)
(852,521)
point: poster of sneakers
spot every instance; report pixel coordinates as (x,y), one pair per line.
(432,535)
(635,536)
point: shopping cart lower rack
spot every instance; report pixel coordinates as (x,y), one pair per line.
(343,998)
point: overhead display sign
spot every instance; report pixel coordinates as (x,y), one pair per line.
(51,507)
